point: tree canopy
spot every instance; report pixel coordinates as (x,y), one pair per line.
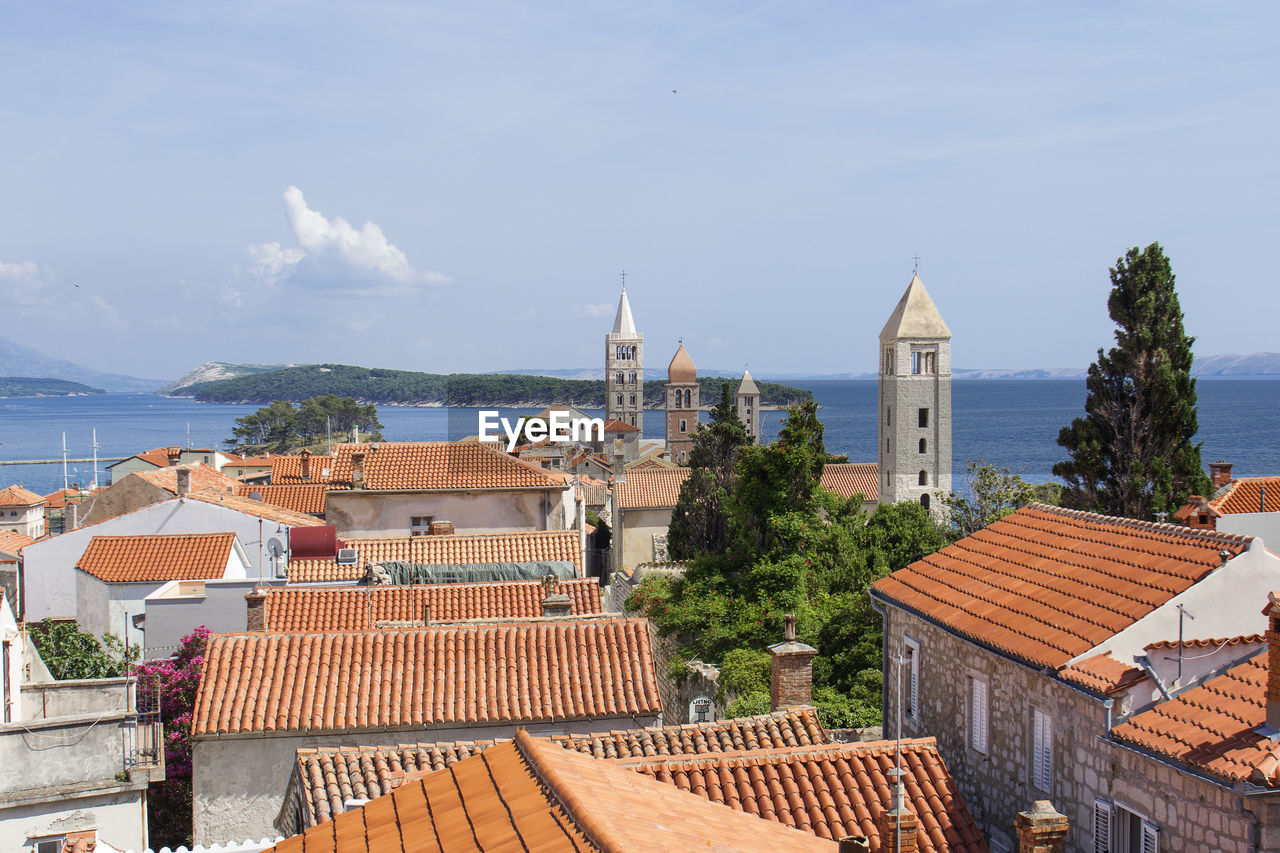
(1132,454)
(993,493)
(280,427)
(700,520)
(69,652)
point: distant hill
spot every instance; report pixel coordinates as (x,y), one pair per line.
(26,362)
(1258,365)
(26,386)
(212,371)
(411,388)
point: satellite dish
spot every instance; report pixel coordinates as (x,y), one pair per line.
(275,548)
(255,496)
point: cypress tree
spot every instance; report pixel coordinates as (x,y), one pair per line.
(699,523)
(1132,454)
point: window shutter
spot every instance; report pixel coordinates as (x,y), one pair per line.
(978,715)
(1101,826)
(915,682)
(1041,751)
(1150,838)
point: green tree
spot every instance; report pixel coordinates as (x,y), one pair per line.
(700,521)
(69,652)
(279,427)
(1132,454)
(993,493)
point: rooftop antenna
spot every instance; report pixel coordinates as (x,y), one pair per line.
(1182,612)
(64,462)
(95,457)
(896,772)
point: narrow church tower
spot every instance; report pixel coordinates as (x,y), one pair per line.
(624,368)
(747,402)
(915,402)
(682,406)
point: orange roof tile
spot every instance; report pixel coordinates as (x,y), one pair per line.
(257,509)
(139,559)
(528,546)
(1047,585)
(310,609)
(1213,727)
(158,456)
(830,790)
(202,477)
(305,498)
(847,479)
(418,678)
(18,496)
(650,488)
(1220,642)
(438,466)
(11,541)
(253,461)
(1245,494)
(287,470)
(60,498)
(615,425)
(324,779)
(1103,674)
(528,794)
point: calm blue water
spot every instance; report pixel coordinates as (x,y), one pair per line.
(1006,422)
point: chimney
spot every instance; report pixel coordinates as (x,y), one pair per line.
(357,469)
(184,480)
(791,671)
(174,454)
(1041,829)
(1220,473)
(1198,514)
(1272,612)
(255,602)
(306,465)
(554,602)
(898,830)
(619,462)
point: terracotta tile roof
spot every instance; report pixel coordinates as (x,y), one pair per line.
(830,790)
(303,498)
(138,559)
(1047,584)
(1212,727)
(849,478)
(287,470)
(18,496)
(257,509)
(438,466)
(252,461)
(202,477)
(325,779)
(528,794)
(650,488)
(615,425)
(528,546)
(311,609)
(1103,674)
(1223,642)
(60,498)
(11,541)
(158,457)
(1244,494)
(468,674)
(654,460)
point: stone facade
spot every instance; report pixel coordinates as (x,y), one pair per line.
(747,401)
(624,369)
(681,402)
(1190,813)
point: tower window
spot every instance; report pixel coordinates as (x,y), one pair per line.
(923,445)
(924,501)
(619,379)
(632,380)
(633,399)
(917,361)
(888,416)
(683,425)
(688,398)
(619,399)
(676,402)
(924,418)
(924,478)
(931,362)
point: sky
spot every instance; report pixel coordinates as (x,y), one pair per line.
(458,186)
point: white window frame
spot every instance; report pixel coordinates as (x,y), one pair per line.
(979,712)
(417,527)
(1041,751)
(1105,838)
(912,711)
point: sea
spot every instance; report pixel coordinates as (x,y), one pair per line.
(1009,423)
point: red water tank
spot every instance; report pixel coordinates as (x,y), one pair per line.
(313,543)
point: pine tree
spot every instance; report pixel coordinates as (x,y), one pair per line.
(1132,454)
(699,523)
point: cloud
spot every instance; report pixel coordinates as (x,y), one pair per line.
(601,310)
(332,253)
(35,292)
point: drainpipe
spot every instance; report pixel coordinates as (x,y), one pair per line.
(884,658)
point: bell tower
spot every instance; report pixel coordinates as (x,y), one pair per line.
(681,405)
(624,367)
(914,415)
(747,402)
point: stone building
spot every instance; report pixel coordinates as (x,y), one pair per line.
(1016,648)
(681,400)
(915,401)
(22,511)
(747,401)
(624,368)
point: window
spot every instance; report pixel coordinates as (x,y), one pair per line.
(1116,829)
(683,427)
(924,501)
(924,478)
(931,362)
(911,707)
(924,418)
(1041,750)
(633,399)
(977,711)
(48,845)
(633,379)
(688,398)
(420,525)
(923,445)
(917,361)
(888,416)
(619,399)
(676,403)
(619,379)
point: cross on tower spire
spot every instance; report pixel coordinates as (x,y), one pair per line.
(624,281)
(915,271)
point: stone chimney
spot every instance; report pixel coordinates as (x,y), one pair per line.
(791,671)
(305,457)
(619,462)
(1220,473)
(255,603)
(554,602)
(898,830)
(1041,829)
(1272,612)
(357,469)
(1198,514)
(174,455)
(183,475)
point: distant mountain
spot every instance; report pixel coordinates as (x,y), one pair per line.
(212,371)
(31,363)
(1258,365)
(26,386)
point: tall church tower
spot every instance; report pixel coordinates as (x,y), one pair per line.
(682,406)
(624,368)
(915,402)
(747,402)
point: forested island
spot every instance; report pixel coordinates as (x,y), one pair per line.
(411,388)
(26,386)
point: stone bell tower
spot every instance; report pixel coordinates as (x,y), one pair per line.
(682,406)
(915,402)
(624,368)
(747,401)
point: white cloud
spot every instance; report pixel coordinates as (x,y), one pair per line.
(28,289)
(601,310)
(332,253)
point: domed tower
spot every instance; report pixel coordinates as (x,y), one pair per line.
(747,402)
(624,368)
(915,402)
(682,406)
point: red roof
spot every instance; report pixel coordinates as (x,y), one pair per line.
(18,496)
(615,425)
(437,466)
(1245,494)
(304,498)
(287,470)
(847,479)
(11,541)
(202,477)
(1103,674)
(650,488)
(471,674)
(139,559)
(1047,584)
(257,509)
